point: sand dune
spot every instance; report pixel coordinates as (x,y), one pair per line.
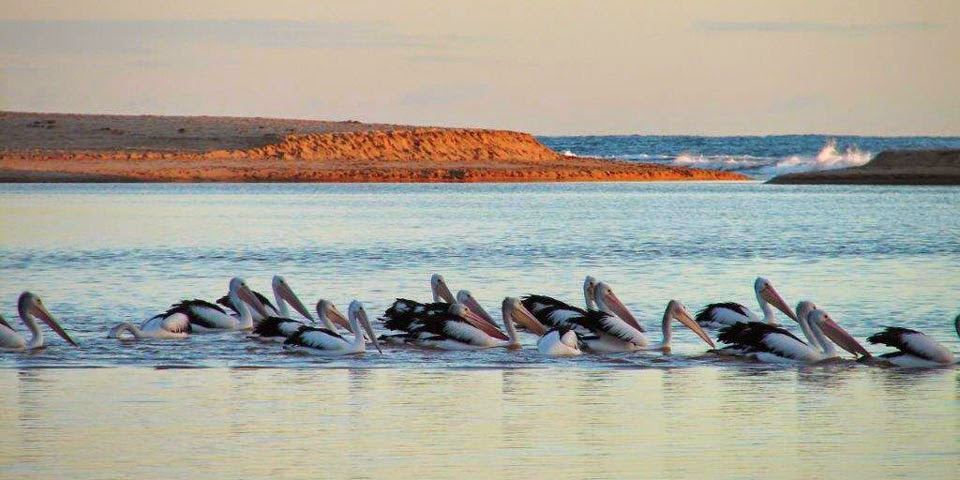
(38,147)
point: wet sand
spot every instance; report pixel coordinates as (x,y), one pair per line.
(892,167)
(37,147)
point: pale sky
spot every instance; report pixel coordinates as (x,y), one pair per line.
(548,67)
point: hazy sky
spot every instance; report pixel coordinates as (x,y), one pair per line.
(550,67)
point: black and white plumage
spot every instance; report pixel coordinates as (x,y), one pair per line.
(914,348)
(770,343)
(204,316)
(440,325)
(270,310)
(607,332)
(31,308)
(560,342)
(325,342)
(282,294)
(278,328)
(719,315)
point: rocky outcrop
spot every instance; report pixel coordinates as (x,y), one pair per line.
(892,167)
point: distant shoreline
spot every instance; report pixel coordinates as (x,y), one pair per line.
(51,148)
(891,167)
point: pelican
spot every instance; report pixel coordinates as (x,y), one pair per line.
(456,327)
(278,329)
(560,342)
(553,313)
(719,315)
(610,328)
(321,341)
(439,289)
(674,311)
(915,350)
(160,326)
(772,344)
(466,298)
(204,316)
(442,293)
(30,308)
(813,339)
(589,288)
(554,342)
(282,293)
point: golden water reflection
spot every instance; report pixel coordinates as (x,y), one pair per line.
(522,423)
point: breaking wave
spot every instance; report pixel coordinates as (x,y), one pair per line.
(828,158)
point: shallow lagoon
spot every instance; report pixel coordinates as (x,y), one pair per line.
(100,254)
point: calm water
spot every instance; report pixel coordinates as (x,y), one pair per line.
(99,254)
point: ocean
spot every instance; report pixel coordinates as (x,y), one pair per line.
(758,157)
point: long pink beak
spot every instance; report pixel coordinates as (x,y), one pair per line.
(621,310)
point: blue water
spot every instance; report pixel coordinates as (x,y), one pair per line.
(100,254)
(760,157)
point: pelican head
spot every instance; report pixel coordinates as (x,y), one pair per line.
(768,294)
(837,334)
(284,291)
(359,314)
(513,308)
(466,298)
(589,292)
(677,311)
(31,306)
(606,299)
(245,295)
(804,308)
(462,311)
(441,292)
(326,309)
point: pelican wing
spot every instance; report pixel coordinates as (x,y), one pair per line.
(913,343)
(599,322)
(277,327)
(718,315)
(316,338)
(554,313)
(758,337)
(3,322)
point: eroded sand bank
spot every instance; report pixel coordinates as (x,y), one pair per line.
(36,147)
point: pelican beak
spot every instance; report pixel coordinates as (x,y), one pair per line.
(621,310)
(475,307)
(684,318)
(365,322)
(441,292)
(339,319)
(41,312)
(484,326)
(774,298)
(287,294)
(841,337)
(523,316)
(247,296)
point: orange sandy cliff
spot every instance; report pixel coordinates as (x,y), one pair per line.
(62,147)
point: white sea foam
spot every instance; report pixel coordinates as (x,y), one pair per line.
(828,158)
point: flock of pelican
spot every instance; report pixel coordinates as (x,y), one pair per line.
(459,322)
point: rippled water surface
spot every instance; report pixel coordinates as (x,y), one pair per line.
(99,254)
